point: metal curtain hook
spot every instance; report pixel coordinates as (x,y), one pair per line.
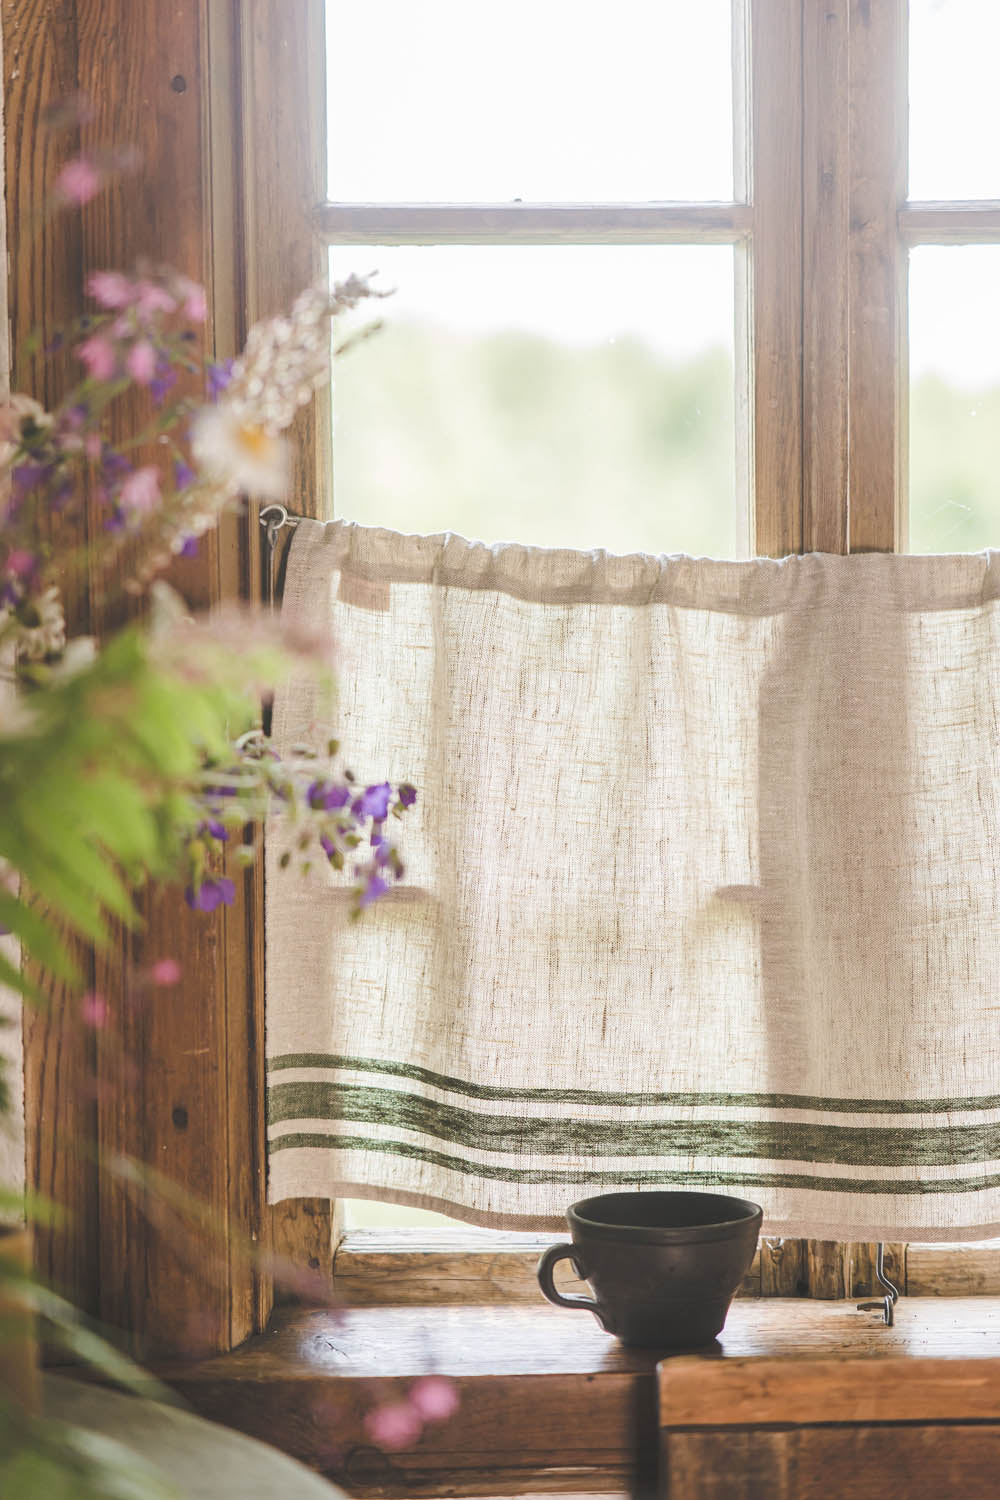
(273,518)
(886,1304)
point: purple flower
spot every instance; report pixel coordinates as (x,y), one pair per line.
(164,379)
(27,476)
(184,475)
(114,463)
(373,802)
(188,547)
(210,894)
(323,796)
(214,829)
(407,794)
(374,888)
(218,377)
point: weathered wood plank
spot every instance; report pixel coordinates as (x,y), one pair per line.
(956,223)
(545,1389)
(853,1463)
(424,1268)
(776,131)
(878,144)
(40,68)
(531,223)
(826,182)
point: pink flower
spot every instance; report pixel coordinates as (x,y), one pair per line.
(394,1426)
(110,288)
(165,971)
(195,305)
(151,298)
(79,181)
(434,1398)
(93,446)
(140,492)
(98,354)
(94,1010)
(141,362)
(20,564)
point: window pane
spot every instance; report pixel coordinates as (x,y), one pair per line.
(576,396)
(954,110)
(569,100)
(954,398)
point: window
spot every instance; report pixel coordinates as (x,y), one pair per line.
(714,278)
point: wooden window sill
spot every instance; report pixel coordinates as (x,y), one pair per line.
(550,1403)
(426,1267)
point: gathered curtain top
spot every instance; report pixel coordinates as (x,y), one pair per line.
(751,586)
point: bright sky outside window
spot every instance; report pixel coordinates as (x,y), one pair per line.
(548,100)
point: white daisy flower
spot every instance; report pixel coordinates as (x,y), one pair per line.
(232,451)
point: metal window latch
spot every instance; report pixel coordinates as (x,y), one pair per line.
(885,1305)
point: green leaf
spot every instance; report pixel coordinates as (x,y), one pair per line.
(37,937)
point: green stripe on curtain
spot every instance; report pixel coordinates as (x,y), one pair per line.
(683,1177)
(693,1100)
(843,1145)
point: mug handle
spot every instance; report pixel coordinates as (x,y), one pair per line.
(547,1265)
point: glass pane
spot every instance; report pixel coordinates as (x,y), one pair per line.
(954,398)
(954,108)
(569,100)
(562,396)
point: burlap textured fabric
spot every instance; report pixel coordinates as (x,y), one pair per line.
(701,889)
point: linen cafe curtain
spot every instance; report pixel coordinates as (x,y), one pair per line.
(701,887)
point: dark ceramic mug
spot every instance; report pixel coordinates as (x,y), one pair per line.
(663,1267)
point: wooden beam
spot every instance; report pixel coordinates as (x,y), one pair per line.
(775,66)
(45,262)
(825,194)
(283,172)
(957,223)
(878,145)
(532,223)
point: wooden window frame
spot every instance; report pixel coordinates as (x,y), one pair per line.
(821,225)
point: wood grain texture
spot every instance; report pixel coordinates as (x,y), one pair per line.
(40,66)
(539,1393)
(547,1393)
(852,1463)
(878,144)
(782,1268)
(825,276)
(284,178)
(178,1085)
(970,1270)
(806,1361)
(776,129)
(164,1064)
(532,223)
(425,1268)
(955,223)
